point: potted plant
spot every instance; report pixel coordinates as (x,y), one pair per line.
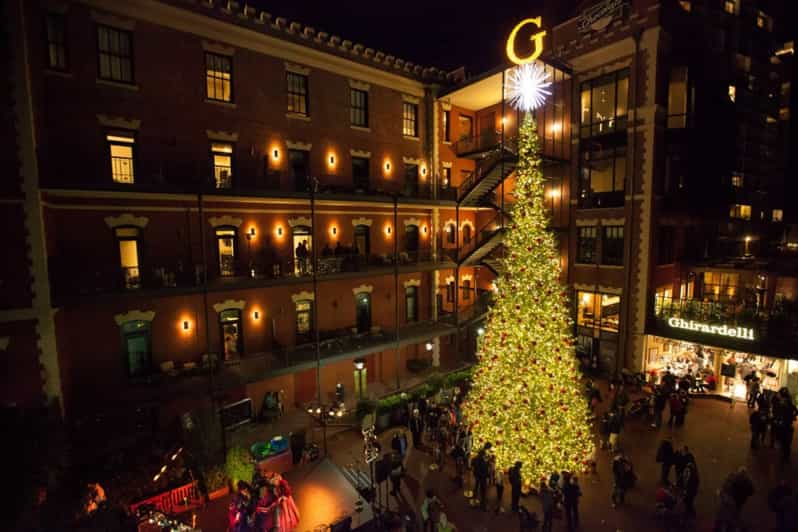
(217,482)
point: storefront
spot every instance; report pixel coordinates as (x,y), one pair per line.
(722,370)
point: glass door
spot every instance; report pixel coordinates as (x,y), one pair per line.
(363,312)
(226,250)
(232,334)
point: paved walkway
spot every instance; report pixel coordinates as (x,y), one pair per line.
(716,432)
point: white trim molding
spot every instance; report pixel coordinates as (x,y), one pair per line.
(586,222)
(219,221)
(4,343)
(361,221)
(412,282)
(223,136)
(304,295)
(467,277)
(126,219)
(217,48)
(412,160)
(300,220)
(107,19)
(447,223)
(613,221)
(297,69)
(237,304)
(134,315)
(610,290)
(598,289)
(446,106)
(298,145)
(465,223)
(446,164)
(118,122)
(363,289)
(360,153)
(411,99)
(412,221)
(359,85)
(449,279)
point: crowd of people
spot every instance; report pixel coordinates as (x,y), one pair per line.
(264,505)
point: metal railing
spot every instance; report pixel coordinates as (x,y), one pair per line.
(486,165)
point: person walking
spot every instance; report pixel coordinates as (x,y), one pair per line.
(431,508)
(619,470)
(684,399)
(547,504)
(676,408)
(571,493)
(515,485)
(779,500)
(614,425)
(416,428)
(690,486)
(665,457)
(753,389)
(660,400)
(397,471)
(757,423)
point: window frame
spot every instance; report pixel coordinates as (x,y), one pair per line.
(619,122)
(410,119)
(146,331)
(214,152)
(358,110)
(582,248)
(48,42)
(120,133)
(302,95)
(613,198)
(130,57)
(297,312)
(616,259)
(217,237)
(240,345)
(118,239)
(411,295)
(209,76)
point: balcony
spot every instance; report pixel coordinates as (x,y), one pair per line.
(731,324)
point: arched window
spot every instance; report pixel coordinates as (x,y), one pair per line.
(451,234)
(137,347)
(128,244)
(232,334)
(226,238)
(466,234)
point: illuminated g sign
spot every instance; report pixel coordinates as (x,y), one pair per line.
(536,38)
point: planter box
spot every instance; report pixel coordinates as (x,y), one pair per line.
(220,493)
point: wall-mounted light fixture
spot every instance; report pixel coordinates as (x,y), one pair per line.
(428,346)
(279,230)
(387,167)
(388,230)
(424,229)
(256,315)
(275,154)
(423,171)
(186,325)
(334,230)
(331,160)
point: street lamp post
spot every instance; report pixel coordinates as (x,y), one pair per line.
(360,365)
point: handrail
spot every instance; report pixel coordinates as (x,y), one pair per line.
(485,233)
(485,165)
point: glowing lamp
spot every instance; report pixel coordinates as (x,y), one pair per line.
(275,154)
(332,160)
(528,86)
(360,364)
(554,193)
(279,230)
(256,315)
(423,170)
(334,230)
(480,331)
(747,239)
(424,229)
(186,325)
(387,166)
(388,230)
(252,232)
(428,346)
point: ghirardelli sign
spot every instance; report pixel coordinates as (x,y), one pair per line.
(598,16)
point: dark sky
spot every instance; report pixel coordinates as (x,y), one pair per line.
(445,34)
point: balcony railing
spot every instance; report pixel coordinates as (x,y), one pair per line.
(600,200)
(487,140)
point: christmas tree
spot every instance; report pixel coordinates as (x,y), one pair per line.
(526,395)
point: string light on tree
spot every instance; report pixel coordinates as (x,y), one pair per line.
(527,86)
(526,396)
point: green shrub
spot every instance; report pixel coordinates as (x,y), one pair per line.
(238,465)
(435,382)
(215,478)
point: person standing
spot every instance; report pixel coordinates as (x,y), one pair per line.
(416,428)
(676,408)
(753,389)
(757,423)
(614,426)
(660,400)
(515,485)
(779,501)
(480,465)
(571,493)
(619,468)
(684,400)
(690,486)
(547,503)
(397,471)
(665,456)
(498,480)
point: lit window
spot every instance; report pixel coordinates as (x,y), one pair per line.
(677,97)
(128,241)
(222,154)
(586,245)
(737,180)
(604,103)
(733,93)
(686,5)
(410,119)
(122,156)
(602,178)
(136,342)
(359,107)
(218,77)
(304,319)
(55,27)
(730,6)
(297,90)
(115,49)
(778,215)
(741,212)
(226,250)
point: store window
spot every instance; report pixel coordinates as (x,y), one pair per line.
(115,55)
(218,77)
(232,335)
(122,154)
(55,32)
(359,108)
(226,250)
(410,119)
(612,245)
(739,211)
(602,177)
(447,126)
(360,172)
(137,346)
(304,320)
(222,155)
(599,311)
(128,243)
(297,91)
(677,97)
(411,304)
(604,104)
(586,245)
(721,286)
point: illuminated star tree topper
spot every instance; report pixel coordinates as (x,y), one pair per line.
(527,86)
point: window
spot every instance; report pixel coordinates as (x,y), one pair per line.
(411,180)
(677,97)
(409,119)
(297,93)
(360,172)
(450,292)
(604,103)
(363,312)
(730,6)
(686,5)
(612,245)
(302,243)
(120,146)
(466,124)
(304,319)
(741,212)
(446,176)
(737,180)
(466,290)
(411,304)
(719,286)
(598,311)
(586,245)
(226,250)
(665,245)
(232,335)
(363,240)
(451,234)
(218,77)
(411,241)
(128,242)
(136,345)
(603,176)
(299,165)
(222,154)
(466,235)
(55,32)
(359,107)
(777,215)
(447,126)
(115,54)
